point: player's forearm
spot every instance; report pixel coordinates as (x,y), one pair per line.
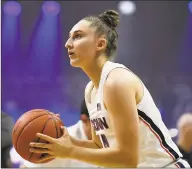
(84,143)
(105,157)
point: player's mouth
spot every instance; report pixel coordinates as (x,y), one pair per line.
(70,53)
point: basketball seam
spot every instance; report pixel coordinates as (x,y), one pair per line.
(55,120)
(56,127)
(61,123)
(40,138)
(36,111)
(25,127)
(57,134)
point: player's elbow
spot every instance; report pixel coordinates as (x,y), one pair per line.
(131,163)
(129,159)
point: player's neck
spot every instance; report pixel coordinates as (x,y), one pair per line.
(94,71)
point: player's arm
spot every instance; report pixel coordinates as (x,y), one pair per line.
(119,98)
(94,143)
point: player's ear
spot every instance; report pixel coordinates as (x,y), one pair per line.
(101,44)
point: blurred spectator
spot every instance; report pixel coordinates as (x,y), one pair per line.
(86,124)
(6,139)
(184,141)
(183,93)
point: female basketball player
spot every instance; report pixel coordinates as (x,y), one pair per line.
(127,127)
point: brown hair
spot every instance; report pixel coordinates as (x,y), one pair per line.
(106,24)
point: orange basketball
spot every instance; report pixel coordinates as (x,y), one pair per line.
(28,125)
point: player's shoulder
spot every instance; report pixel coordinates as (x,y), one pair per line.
(121,77)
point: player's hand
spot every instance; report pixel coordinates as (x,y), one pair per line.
(58,115)
(55,148)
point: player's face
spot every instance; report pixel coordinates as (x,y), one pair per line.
(186,133)
(81,44)
(189,133)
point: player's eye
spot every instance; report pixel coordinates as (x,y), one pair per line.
(77,36)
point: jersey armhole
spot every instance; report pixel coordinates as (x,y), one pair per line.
(143,86)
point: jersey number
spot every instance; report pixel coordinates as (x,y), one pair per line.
(104,140)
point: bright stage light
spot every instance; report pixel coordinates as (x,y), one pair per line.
(12,8)
(51,8)
(190,6)
(127,7)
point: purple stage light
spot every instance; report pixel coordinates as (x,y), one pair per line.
(190,6)
(12,8)
(51,8)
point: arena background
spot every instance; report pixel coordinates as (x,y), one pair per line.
(155,42)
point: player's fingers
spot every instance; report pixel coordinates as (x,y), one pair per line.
(58,115)
(62,130)
(40,145)
(47,157)
(41,151)
(45,137)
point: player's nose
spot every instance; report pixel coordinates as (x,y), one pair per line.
(68,44)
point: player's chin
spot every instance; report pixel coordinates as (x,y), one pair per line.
(75,62)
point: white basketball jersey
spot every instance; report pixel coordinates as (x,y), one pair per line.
(156,146)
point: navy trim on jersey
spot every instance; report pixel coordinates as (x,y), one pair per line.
(180,165)
(159,133)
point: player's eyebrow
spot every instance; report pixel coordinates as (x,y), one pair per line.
(75,32)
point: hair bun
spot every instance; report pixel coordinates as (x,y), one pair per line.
(110,18)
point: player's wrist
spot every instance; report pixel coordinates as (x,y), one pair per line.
(73,152)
